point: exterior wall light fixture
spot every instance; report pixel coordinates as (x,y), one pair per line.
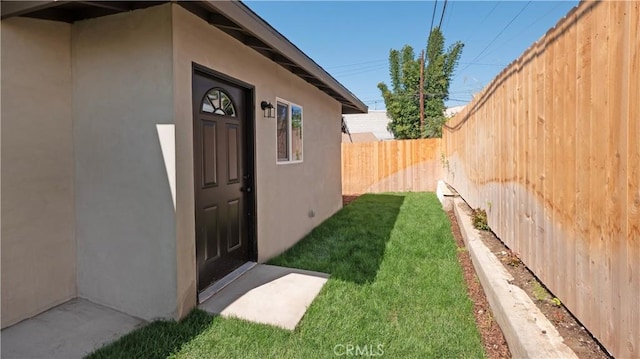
(268,110)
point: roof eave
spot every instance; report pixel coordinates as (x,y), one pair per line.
(16,8)
(259,28)
(236,19)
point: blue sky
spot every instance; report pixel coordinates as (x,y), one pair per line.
(351,39)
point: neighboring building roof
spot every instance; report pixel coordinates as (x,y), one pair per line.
(452,111)
(373,121)
(232,17)
(359,137)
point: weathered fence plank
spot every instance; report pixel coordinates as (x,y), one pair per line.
(551,149)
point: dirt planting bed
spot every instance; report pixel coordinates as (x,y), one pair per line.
(574,334)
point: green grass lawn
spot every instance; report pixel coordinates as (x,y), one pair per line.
(396,290)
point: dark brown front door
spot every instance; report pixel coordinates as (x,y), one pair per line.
(222,179)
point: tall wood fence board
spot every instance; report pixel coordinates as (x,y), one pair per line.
(551,149)
(391,166)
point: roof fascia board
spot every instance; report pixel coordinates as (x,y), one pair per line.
(109,5)
(253,24)
(17,8)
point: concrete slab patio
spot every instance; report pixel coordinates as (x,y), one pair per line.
(269,295)
(70,330)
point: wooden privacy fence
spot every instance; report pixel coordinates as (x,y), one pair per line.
(391,166)
(551,149)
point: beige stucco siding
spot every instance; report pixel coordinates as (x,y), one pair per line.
(285,193)
(122,70)
(91,165)
(38,244)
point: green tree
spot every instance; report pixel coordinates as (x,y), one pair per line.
(403,99)
(438,73)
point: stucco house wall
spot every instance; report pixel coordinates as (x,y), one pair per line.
(38,243)
(97,159)
(286,193)
(122,71)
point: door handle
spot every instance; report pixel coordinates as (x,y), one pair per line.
(245,189)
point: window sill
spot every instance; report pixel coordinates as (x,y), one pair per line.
(288,162)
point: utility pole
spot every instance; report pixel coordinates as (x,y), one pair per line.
(421,93)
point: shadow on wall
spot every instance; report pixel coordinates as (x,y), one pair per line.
(350,245)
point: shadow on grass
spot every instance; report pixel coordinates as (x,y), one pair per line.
(158,339)
(350,245)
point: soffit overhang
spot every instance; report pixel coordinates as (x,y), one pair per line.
(232,17)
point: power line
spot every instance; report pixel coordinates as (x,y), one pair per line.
(502,31)
(498,35)
(377,67)
(482,22)
(383,62)
(457,100)
(360,71)
(373,68)
(433,16)
(528,27)
(446,25)
(444,8)
(480,64)
(423,60)
(355,64)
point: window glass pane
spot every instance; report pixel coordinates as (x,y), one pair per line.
(218,102)
(296,133)
(206,106)
(282,132)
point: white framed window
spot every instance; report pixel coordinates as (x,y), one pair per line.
(288,132)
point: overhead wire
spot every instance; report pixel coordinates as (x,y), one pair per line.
(357,69)
(355,64)
(482,22)
(497,36)
(524,29)
(446,24)
(375,65)
(481,64)
(502,31)
(433,16)
(444,8)
(386,60)
(360,70)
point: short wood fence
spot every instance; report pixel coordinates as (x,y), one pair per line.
(391,166)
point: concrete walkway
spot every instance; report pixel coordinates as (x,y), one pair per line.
(70,330)
(269,295)
(264,294)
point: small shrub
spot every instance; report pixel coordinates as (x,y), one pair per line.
(555,301)
(539,292)
(512,259)
(444,161)
(480,219)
